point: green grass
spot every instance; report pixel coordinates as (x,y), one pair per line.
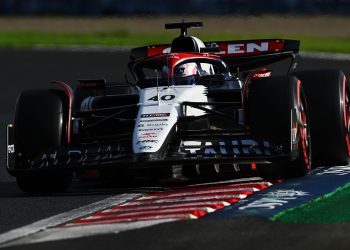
(127,38)
(331,208)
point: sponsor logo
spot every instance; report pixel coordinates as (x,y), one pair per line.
(154,120)
(232,147)
(155,115)
(11,149)
(148,135)
(275,199)
(156,124)
(337,170)
(80,156)
(147,141)
(151,129)
(240,48)
(262,75)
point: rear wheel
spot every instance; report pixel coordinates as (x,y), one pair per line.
(40,124)
(328,104)
(277,112)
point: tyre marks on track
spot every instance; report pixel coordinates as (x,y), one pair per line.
(170,204)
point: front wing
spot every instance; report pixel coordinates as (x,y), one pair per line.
(74,158)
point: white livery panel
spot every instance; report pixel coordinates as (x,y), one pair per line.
(159,112)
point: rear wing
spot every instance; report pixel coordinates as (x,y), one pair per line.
(242,54)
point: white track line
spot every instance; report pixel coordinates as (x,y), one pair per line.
(64,217)
(78,232)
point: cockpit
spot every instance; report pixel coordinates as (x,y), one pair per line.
(169,70)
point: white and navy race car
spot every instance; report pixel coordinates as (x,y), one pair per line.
(193,108)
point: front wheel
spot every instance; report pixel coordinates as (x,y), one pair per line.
(40,123)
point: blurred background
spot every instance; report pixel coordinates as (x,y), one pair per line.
(38,37)
(156,7)
(321,25)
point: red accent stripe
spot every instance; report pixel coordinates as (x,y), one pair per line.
(196,213)
(183,209)
(69,93)
(194,188)
(147,215)
(157,208)
(274,46)
(194,194)
(228,200)
(130,220)
(127,219)
(189,199)
(218,202)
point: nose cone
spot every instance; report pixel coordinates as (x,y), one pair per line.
(153,127)
(156,119)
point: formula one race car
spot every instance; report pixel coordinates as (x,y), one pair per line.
(195,108)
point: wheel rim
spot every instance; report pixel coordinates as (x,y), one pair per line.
(346,115)
(305,135)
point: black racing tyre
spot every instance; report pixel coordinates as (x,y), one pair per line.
(40,123)
(327,94)
(277,112)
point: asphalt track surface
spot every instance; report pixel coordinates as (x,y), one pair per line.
(22,69)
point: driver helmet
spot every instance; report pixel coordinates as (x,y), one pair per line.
(186,69)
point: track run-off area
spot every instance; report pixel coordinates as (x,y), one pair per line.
(229,212)
(220,199)
(135,210)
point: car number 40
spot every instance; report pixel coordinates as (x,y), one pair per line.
(163,98)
